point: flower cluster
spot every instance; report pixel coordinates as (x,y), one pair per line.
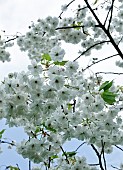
(4,55)
(55,105)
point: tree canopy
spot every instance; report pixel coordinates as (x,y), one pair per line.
(55,101)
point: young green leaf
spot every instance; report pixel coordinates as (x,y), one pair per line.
(13,168)
(46,57)
(79,24)
(69,106)
(49,128)
(1,133)
(70,154)
(37,129)
(54,157)
(109,97)
(62,63)
(106,85)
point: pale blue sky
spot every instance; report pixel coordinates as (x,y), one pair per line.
(16,16)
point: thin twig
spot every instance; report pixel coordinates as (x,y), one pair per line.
(107,16)
(29,165)
(11,39)
(67,7)
(120,40)
(103,154)
(102,42)
(99,61)
(29,160)
(49,161)
(111,14)
(93,164)
(115,167)
(75,26)
(10,143)
(68,27)
(66,157)
(109,73)
(80,146)
(118,147)
(74,105)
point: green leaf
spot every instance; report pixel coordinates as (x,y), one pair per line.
(49,128)
(1,133)
(106,85)
(46,57)
(37,129)
(13,168)
(108,97)
(62,63)
(54,156)
(77,24)
(69,106)
(70,154)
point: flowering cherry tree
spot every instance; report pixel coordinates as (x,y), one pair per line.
(54,101)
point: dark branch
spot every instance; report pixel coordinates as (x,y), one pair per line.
(75,26)
(74,105)
(102,42)
(111,14)
(93,164)
(118,147)
(68,27)
(29,165)
(107,16)
(109,73)
(10,143)
(11,39)
(99,61)
(115,167)
(80,146)
(49,161)
(105,30)
(67,7)
(103,154)
(98,155)
(66,157)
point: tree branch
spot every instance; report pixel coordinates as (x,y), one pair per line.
(107,16)
(10,143)
(108,73)
(11,39)
(93,164)
(103,154)
(68,27)
(49,161)
(98,155)
(65,154)
(67,7)
(102,42)
(111,14)
(80,146)
(99,61)
(105,30)
(115,167)
(118,147)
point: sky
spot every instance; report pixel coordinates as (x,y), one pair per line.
(16,16)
